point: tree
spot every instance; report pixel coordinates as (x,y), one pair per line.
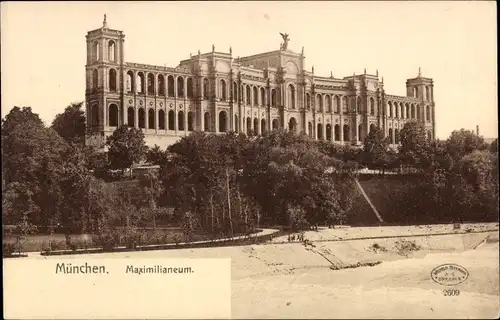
(152,189)
(462,142)
(479,170)
(32,157)
(375,149)
(126,147)
(414,148)
(19,117)
(75,183)
(156,156)
(70,124)
(494,146)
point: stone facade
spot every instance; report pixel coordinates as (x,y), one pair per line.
(216,92)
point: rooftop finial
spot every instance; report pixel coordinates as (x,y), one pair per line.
(377,72)
(230,50)
(312,69)
(213,48)
(104,23)
(302,53)
(331,74)
(365,70)
(199,52)
(419,72)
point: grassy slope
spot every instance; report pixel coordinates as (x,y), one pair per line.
(389,194)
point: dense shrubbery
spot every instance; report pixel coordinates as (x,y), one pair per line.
(231,183)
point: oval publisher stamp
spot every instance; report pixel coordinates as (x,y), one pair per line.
(449,274)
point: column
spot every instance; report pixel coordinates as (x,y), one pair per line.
(202,119)
(341,128)
(104,112)
(156,120)
(186,113)
(124,113)
(324,123)
(175,90)
(136,117)
(216,120)
(176,116)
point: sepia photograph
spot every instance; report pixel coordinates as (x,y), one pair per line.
(250,160)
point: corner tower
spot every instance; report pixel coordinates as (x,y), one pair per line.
(422,90)
(104,82)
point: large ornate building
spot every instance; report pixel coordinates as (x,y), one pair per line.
(216,92)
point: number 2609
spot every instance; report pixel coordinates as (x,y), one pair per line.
(451,292)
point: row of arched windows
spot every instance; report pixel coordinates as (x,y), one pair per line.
(335,134)
(427,94)
(252,126)
(338,104)
(255,96)
(407,111)
(111,51)
(141,85)
(168,123)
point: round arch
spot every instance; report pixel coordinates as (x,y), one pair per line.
(292,124)
(113,115)
(131,117)
(223,125)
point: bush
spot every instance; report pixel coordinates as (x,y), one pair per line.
(8,249)
(377,248)
(107,239)
(404,246)
(133,237)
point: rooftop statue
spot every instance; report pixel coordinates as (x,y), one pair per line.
(286,38)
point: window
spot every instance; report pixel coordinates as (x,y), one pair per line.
(345,107)
(151,119)
(171,86)
(130,81)
(190,121)
(96,51)
(131,117)
(161,85)
(95,79)
(255,96)
(190,91)
(140,82)
(291,96)
(113,115)
(222,121)
(248,95)
(111,51)
(151,84)
(223,90)
(161,120)
(180,87)
(205,88)
(337,104)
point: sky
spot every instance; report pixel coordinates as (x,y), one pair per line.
(43,46)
